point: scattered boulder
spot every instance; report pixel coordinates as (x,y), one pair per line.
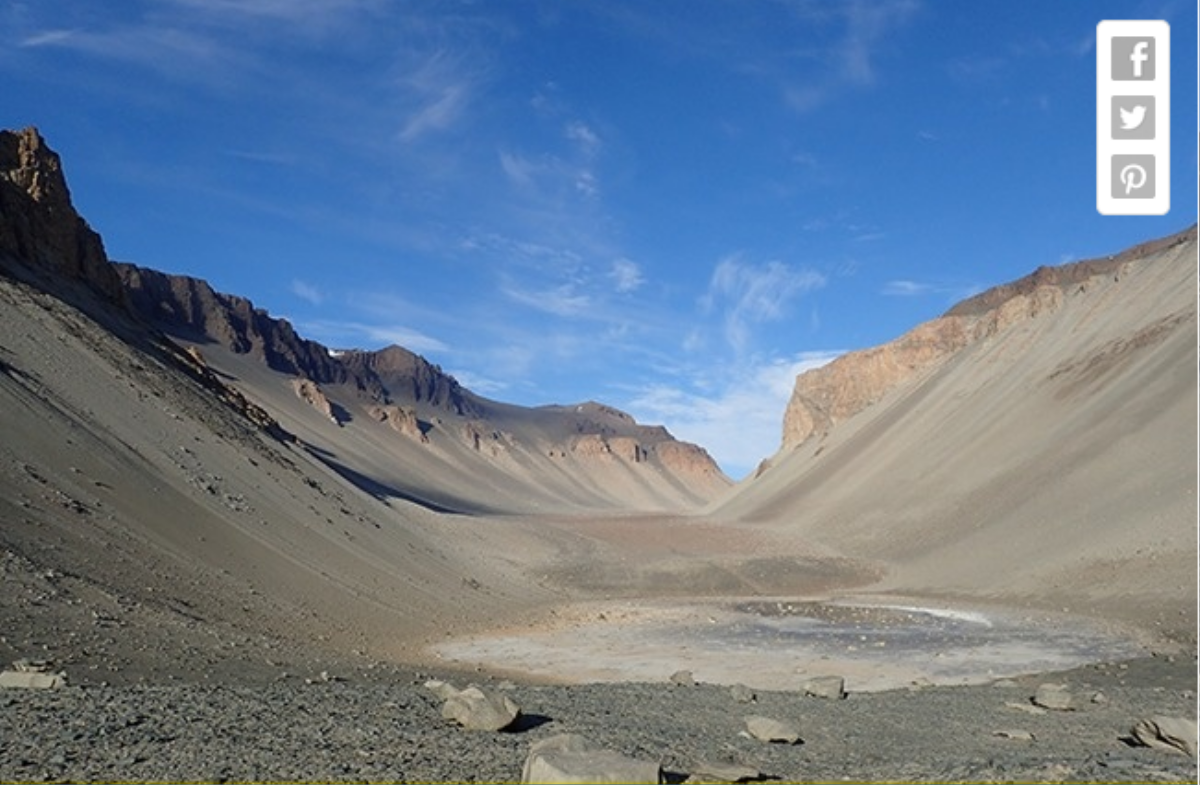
(571,758)
(683,678)
(742,694)
(1025,707)
(477,709)
(709,771)
(831,687)
(769,730)
(1054,696)
(1177,734)
(32,675)
(32,680)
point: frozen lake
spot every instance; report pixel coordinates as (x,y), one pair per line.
(776,644)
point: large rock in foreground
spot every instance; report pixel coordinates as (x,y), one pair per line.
(571,758)
(477,709)
(1177,734)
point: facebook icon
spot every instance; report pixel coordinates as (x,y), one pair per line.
(1132,59)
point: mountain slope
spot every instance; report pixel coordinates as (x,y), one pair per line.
(156,523)
(1037,441)
(238,486)
(396,423)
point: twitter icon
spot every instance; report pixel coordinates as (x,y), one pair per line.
(1132,117)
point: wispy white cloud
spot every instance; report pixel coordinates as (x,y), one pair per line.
(806,97)
(293,11)
(749,294)
(440,93)
(739,418)
(584,137)
(909,288)
(626,275)
(858,31)
(405,336)
(352,334)
(167,50)
(520,252)
(519,170)
(47,38)
(262,157)
(308,292)
(906,288)
(542,178)
(869,24)
(586,183)
(805,159)
(478,383)
(562,300)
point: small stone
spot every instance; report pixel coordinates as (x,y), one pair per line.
(1054,696)
(769,730)
(683,678)
(742,694)
(831,687)
(1099,697)
(1025,707)
(1009,733)
(571,758)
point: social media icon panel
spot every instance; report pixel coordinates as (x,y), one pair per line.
(1133,176)
(1132,59)
(1133,117)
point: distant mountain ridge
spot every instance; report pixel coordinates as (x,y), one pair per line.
(591,450)
(825,396)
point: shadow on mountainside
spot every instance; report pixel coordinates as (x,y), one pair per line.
(383,491)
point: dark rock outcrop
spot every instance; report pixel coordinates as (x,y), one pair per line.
(39,227)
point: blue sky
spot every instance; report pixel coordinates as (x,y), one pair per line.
(671,207)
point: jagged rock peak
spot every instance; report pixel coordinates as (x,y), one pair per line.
(409,377)
(190,308)
(26,161)
(39,227)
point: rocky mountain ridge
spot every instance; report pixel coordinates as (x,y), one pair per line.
(390,387)
(833,393)
(398,387)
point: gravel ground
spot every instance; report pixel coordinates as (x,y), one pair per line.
(384,726)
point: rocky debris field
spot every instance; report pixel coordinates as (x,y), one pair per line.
(388,726)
